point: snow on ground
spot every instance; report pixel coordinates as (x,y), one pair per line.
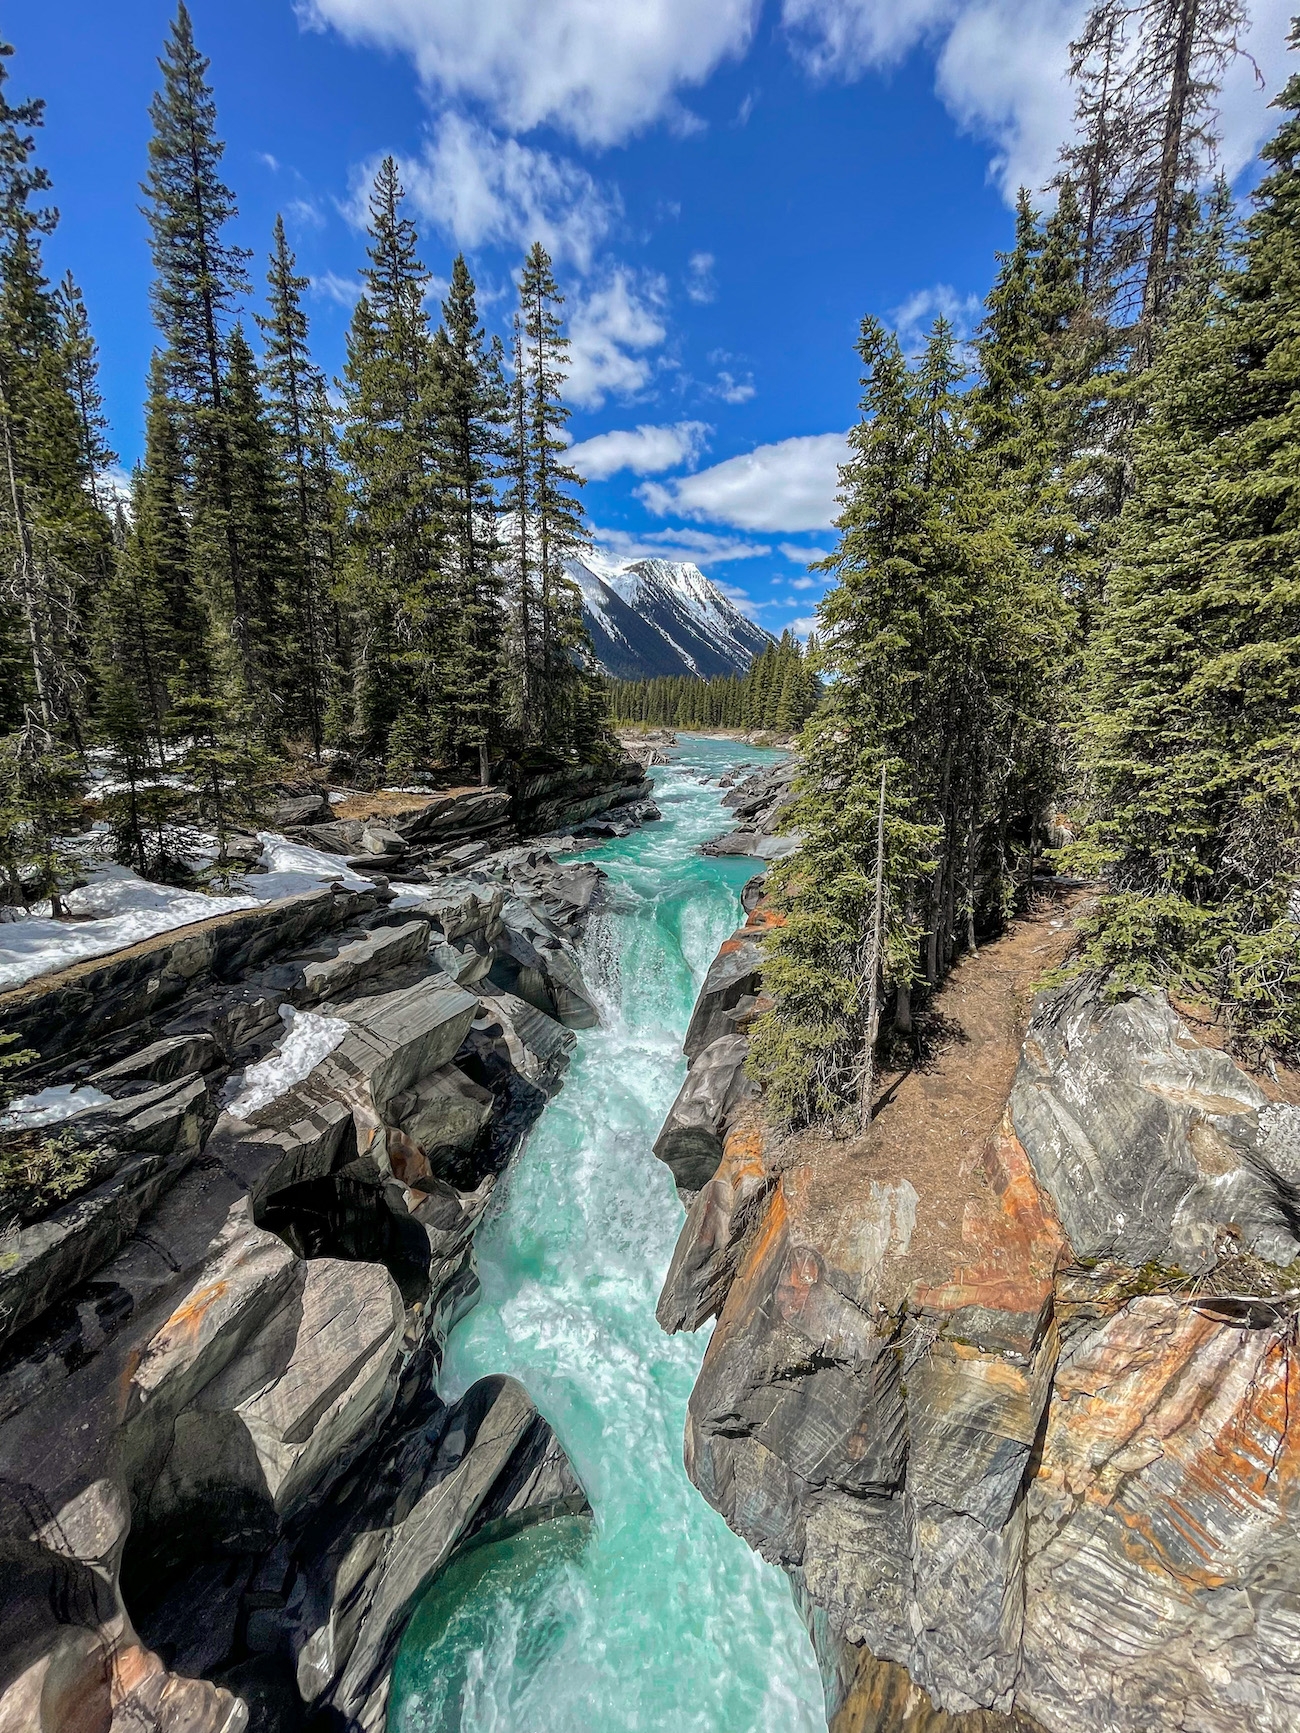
(48,1106)
(310,1038)
(292,867)
(117,908)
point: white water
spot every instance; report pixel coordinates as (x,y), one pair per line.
(657,1619)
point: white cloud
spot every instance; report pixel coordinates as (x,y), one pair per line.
(808,582)
(683,543)
(733,390)
(482,189)
(787,486)
(644,450)
(345,290)
(271,162)
(610,334)
(700,286)
(804,627)
(600,70)
(305,212)
(913,319)
(801,555)
(1001,68)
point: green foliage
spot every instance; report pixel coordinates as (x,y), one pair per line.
(779,691)
(939,637)
(1191,741)
(40,807)
(39,1169)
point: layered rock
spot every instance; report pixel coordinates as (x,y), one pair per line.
(760,803)
(227,1473)
(1021,1426)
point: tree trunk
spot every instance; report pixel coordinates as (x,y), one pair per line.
(867,1081)
(484,766)
(1155,287)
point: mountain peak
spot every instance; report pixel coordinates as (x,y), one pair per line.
(652,617)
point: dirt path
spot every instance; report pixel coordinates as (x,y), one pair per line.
(933,1121)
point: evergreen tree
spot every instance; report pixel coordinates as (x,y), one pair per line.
(569,696)
(1191,743)
(472,412)
(54,537)
(260,520)
(940,641)
(393,576)
(295,391)
(199,278)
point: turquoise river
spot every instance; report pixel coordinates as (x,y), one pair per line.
(655,1618)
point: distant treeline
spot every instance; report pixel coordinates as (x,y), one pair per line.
(779,692)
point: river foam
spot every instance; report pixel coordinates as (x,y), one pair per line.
(656,1619)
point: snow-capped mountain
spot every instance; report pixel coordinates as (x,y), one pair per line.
(651,617)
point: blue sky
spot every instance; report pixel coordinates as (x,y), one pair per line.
(727,187)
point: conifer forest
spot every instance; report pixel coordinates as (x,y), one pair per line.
(1064,620)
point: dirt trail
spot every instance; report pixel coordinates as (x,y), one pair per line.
(933,1121)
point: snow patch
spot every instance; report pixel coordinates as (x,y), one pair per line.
(117,908)
(292,867)
(310,1037)
(48,1106)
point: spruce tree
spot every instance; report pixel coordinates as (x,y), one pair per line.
(1191,743)
(472,411)
(199,279)
(295,388)
(569,694)
(940,643)
(393,576)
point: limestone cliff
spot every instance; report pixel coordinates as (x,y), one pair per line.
(1012,1391)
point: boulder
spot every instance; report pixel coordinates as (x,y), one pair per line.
(457,816)
(299,809)
(444,1113)
(161,1061)
(377,839)
(691,1138)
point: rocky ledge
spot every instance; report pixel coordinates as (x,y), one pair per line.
(227,1471)
(1012,1391)
(760,802)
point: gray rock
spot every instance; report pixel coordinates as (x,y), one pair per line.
(1149,1144)
(162,1061)
(378,839)
(380,952)
(300,809)
(493,1463)
(147,1142)
(69,1010)
(443,1112)
(690,1141)
(735,972)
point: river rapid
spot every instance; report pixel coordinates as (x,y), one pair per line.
(654,1618)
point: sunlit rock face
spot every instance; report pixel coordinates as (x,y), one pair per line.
(1043,1473)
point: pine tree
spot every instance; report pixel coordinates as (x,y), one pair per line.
(1148,77)
(1191,743)
(260,519)
(393,577)
(472,412)
(53,533)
